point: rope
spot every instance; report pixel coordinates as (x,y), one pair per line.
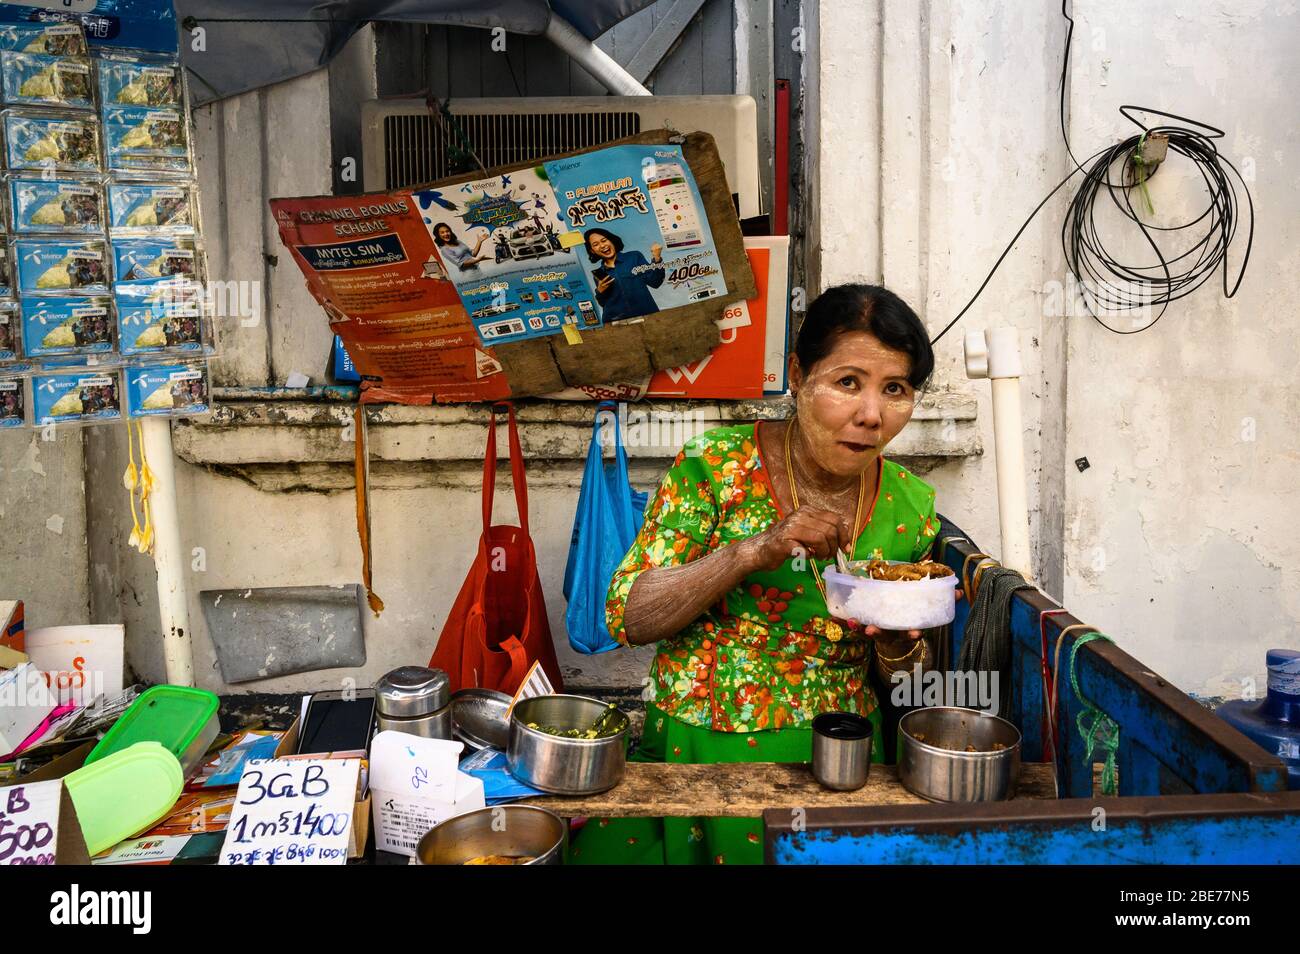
(1100,729)
(986,646)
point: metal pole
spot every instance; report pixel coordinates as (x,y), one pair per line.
(168,557)
(603,68)
(998,358)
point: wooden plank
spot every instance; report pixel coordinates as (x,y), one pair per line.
(746,790)
(671,25)
(717,27)
(681,71)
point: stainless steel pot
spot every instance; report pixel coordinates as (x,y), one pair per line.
(566,766)
(415,700)
(478,718)
(934,762)
(515,830)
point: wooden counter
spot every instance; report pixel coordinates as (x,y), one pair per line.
(745,790)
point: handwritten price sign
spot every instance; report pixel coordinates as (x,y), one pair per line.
(38,826)
(292,812)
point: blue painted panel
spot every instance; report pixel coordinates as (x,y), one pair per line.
(1161,751)
(1214,840)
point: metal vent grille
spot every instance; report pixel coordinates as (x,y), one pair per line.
(416,146)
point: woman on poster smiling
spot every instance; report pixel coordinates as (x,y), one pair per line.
(623,278)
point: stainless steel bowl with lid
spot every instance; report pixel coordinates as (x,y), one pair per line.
(951,754)
(478,718)
(502,831)
(416,700)
(561,765)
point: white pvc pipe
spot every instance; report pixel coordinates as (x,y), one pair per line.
(997,357)
(603,67)
(169,559)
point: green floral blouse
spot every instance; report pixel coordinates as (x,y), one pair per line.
(768,655)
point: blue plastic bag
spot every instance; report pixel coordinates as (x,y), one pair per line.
(608,519)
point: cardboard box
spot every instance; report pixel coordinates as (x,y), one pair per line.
(735,369)
(415,785)
(79,662)
(11,624)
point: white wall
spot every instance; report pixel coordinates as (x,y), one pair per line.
(1174,541)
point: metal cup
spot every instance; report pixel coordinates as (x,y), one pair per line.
(841,750)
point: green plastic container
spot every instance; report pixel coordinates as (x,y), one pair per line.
(124,794)
(182,719)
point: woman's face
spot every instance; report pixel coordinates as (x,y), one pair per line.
(600,246)
(444,233)
(852,402)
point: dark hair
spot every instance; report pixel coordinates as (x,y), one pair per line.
(870,308)
(613,239)
(438,240)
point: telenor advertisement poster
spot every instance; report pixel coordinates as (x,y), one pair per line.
(645,238)
(499,241)
(370,261)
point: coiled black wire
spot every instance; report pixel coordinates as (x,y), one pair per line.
(1110,284)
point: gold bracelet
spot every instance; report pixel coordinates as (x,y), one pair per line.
(920,644)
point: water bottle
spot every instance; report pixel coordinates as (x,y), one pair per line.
(1274,722)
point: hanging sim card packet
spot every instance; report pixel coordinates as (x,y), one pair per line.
(143,138)
(60,141)
(35,79)
(13,403)
(71,325)
(152,260)
(81,396)
(167,390)
(55,205)
(160,317)
(146,207)
(61,265)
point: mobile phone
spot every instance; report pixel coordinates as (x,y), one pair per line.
(335,723)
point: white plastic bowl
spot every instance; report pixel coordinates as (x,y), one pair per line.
(891,604)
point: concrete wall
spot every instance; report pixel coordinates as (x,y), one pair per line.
(938,134)
(43,526)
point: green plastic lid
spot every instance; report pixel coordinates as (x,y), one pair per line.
(124,793)
(174,716)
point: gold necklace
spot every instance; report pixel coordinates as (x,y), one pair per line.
(794,499)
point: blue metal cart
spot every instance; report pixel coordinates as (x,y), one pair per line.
(1191,789)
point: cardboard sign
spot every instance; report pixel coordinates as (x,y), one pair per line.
(292,812)
(415,785)
(734,369)
(371,263)
(38,826)
(79,662)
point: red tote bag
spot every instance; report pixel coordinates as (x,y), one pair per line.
(497,628)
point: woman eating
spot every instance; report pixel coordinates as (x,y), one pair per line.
(725,578)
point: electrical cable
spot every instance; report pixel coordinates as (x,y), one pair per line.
(1106,280)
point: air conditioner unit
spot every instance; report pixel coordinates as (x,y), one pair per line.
(403,145)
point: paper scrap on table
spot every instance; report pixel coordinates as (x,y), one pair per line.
(415,785)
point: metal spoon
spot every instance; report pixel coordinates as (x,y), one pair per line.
(600,720)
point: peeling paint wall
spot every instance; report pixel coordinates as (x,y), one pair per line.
(1174,541)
